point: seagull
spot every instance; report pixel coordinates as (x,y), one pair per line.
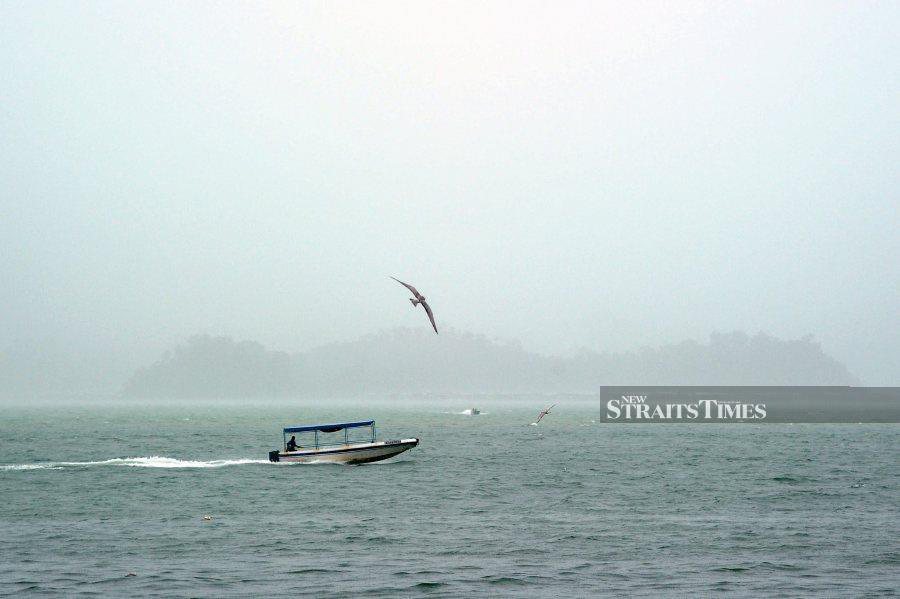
(543,413)
(419,299)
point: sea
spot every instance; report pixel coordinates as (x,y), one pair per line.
(108,498)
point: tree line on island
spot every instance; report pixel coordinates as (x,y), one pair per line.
(416,361)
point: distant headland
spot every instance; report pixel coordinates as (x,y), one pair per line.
(416,361)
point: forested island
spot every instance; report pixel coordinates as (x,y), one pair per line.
(417,361)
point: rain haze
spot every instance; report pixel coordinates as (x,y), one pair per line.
(568,176)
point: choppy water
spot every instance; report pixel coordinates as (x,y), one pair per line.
(485,506)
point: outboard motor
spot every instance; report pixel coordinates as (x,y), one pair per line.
(273,455)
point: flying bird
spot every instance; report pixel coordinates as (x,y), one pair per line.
(543,413)
(419,299)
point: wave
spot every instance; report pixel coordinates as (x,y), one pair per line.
(138,462)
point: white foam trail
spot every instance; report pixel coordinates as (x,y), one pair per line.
(30,467)
(139,462)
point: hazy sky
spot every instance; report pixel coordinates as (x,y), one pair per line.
(606,175)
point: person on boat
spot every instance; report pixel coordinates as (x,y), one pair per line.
(292,444)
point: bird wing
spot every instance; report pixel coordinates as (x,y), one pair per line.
(550,408)
(410,287)
(541,415)
(430,314)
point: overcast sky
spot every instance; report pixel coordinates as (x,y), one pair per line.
(601,175)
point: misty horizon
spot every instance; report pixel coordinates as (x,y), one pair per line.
(410,359)
(596,176)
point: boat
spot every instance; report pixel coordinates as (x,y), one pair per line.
(341,442)
(472,412)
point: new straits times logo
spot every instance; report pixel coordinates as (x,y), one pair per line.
(635,407)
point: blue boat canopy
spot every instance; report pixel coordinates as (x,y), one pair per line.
(329,428)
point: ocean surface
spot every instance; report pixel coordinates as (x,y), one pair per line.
(108,499)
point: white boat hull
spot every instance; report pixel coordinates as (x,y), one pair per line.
(356,453)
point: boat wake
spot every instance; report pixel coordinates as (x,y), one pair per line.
(139,462)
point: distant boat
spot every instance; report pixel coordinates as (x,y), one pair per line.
(471,412)
(333,443)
